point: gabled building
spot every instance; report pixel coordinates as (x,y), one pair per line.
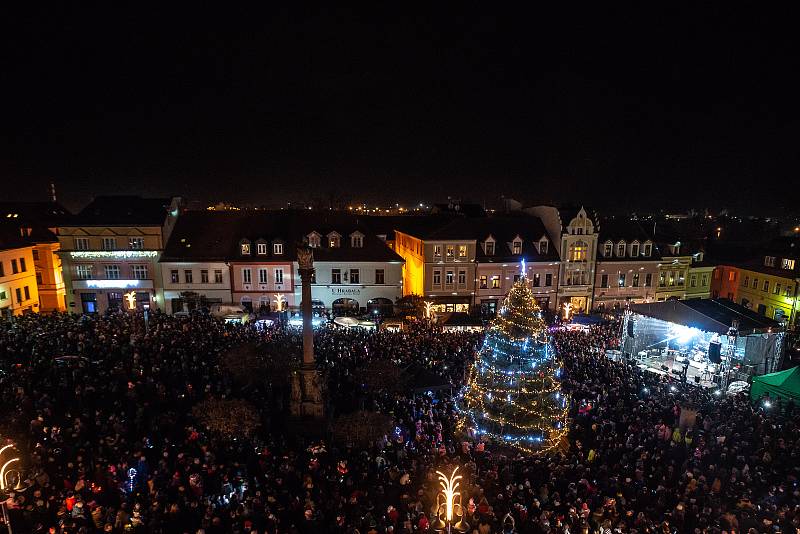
(18,289)
(627,265)
(576,231)
(112,247)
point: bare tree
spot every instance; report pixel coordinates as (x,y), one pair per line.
(227,418)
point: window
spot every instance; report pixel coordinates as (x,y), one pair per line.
(622,280)
(788,291)
(693,280)
(537,280)
(648,248)
(217,276)
(3,295)
(81,243)
(356,241)
(203,276)
(2,270)
(380,277)
(635,250)
(704,280)
(635,280)
(746,281)
(462,278)
(672,278)
(173,276)
(109,243)
(516,247)
(755,283)
(769,261)
(732,276)
(437,251)
(19,294)
(187,276)
(495,282)
(648,279)
(662,278)
(22,266)
(620,250)
(277,248)
(313,240)
(247,275)
(548,280)
(517,278)
(244,249)
(14,267)
(765,287)
(483,281)
(279,276)
(787,264)
(336,276)
(139,272)
(35,255)
(451,251)
(333,241)
(604,280)
(449,277)
(112,272)
(608,249)
(262,276)
(577,251)
(776,290)
(83,272)
(489,247)
(136,243)
(27,293)
(543,246)
(437,277)
(462,251)
(261,249)
(39,278)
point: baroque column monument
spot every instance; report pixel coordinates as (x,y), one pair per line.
(307,387)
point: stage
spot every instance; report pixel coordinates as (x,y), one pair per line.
(672,364)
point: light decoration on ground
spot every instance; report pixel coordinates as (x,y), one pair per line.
(130,299)
(448,504)
(513,393)
(428,309)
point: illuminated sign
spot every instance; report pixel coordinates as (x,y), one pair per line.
(105,284)
(115,254)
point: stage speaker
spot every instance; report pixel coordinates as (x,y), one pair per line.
(630,328)
(714,352)
(696,379)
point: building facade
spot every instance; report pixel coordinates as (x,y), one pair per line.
(725,282)
(627,266)
(18,289)
(770,284)
(577,233)
(111,248)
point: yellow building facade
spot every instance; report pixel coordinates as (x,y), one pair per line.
(18,292)
(412,250)
(769,293)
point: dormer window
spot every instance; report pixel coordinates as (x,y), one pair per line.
(334,240)
(608,249)
(244,248)
(635,250)
(488,247)
(277,248)
(769,261)
(261,249)
(516,247)
(647,250)
(313,240)
(357,240)
(543,246)
(621,249)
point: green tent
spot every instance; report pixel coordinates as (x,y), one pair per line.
(784,384)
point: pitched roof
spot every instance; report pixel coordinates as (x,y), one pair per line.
(203,236)
(122,211)
(48,214)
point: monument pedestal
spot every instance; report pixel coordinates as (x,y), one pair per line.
(307,394)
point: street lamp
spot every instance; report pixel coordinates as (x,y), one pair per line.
(5,473)
(448,504)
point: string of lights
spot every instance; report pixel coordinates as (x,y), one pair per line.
(513,393)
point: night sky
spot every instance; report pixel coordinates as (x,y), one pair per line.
(625,109)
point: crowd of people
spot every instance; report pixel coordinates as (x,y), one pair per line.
(100,409)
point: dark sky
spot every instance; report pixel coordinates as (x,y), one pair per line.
(620,108)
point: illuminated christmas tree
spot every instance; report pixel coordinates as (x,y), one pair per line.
(514,390)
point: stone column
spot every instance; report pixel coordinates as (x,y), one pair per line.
(307,395)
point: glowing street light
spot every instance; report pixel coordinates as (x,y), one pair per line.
(448,504)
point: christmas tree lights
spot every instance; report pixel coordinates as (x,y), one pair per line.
(513,394)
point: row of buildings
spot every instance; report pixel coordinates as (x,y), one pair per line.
(123,251)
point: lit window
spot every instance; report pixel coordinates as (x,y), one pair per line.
(622,280)
(261,248)
(483,281)
(83,272)
(333,241)
(732,276)
(495,282)
(516,247)
(277,248)
(787,264)
(245,249)
(437,251)
(577,251)
(620,250)
(313,240)
(451,251)
(462,251)
(136,243)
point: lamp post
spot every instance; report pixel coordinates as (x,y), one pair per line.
(5,472)
(448,504)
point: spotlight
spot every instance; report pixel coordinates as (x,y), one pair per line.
(673,389)
(767,404)
(718,392)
